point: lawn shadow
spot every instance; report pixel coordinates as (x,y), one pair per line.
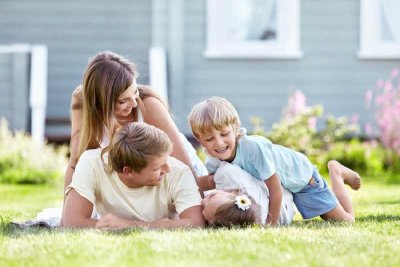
(7,228)
(389,202)
(378,218)
(318,223)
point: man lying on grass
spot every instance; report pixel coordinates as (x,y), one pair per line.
(133,183)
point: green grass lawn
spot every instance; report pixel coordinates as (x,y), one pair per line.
(374,240)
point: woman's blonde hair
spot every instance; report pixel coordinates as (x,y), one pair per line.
(106,77)
(213,113)
(134,145)
(229,214)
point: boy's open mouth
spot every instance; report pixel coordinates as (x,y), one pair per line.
(222,150)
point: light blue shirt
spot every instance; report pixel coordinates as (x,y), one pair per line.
(261,158)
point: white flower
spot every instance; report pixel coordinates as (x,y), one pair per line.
(243,202)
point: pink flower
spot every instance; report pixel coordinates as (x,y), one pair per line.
(296,104)
(354,119)
(388,86)
(394,73)
(380,83)
(312,123)
(368,98)
(380,100)
(368,129)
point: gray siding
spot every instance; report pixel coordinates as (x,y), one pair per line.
(5,85)
(329,73)
(74,31)
(14,89)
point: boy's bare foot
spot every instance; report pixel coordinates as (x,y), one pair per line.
(350,177)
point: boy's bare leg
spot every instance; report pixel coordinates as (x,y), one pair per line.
(341,175)
(349,176)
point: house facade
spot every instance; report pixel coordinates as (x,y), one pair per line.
(322,48)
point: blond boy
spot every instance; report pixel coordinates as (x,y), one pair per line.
(216,124)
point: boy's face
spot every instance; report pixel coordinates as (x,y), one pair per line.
(213,201)
(220,144)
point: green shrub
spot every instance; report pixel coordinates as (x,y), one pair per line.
(367,158)
(22,161)
(335,140)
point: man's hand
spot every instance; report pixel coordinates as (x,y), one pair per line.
(112,222)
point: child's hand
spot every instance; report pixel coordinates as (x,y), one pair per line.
(275,199)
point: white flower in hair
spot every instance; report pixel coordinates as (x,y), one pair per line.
(243,202)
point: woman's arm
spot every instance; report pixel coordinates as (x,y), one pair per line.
(156,114)
(76,123)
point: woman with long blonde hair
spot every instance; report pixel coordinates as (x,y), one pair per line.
(109,98)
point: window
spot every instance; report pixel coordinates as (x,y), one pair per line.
(379,29)
(253,29)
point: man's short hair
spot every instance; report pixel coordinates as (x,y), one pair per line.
(135,144)
(213,113)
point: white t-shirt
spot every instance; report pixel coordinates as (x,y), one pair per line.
(229,176)
(177,192)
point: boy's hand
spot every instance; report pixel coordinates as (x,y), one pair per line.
(275,199)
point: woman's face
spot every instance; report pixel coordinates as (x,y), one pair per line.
(127,101)
(212,201)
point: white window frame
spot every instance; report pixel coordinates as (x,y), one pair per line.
(371,46)
(287,45)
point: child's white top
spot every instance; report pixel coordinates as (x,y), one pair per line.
(230,177)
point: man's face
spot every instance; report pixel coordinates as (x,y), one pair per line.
(220,144)
(151,175)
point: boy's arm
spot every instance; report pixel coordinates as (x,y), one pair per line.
(77,211)
(189,218)
(205,183)
(275,199)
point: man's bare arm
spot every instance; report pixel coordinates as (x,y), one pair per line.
(189,218)
(77,211)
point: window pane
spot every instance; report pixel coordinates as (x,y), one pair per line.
(386,35)
(253,20)
(390,20)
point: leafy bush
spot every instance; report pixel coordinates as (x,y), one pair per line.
(22,161)
(297,128)
(336,140)
(365,157)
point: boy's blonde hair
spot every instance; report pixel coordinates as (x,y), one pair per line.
(135,144)
(213,113)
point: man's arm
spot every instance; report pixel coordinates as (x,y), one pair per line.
(77,211)
(275,199)
(189,218)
